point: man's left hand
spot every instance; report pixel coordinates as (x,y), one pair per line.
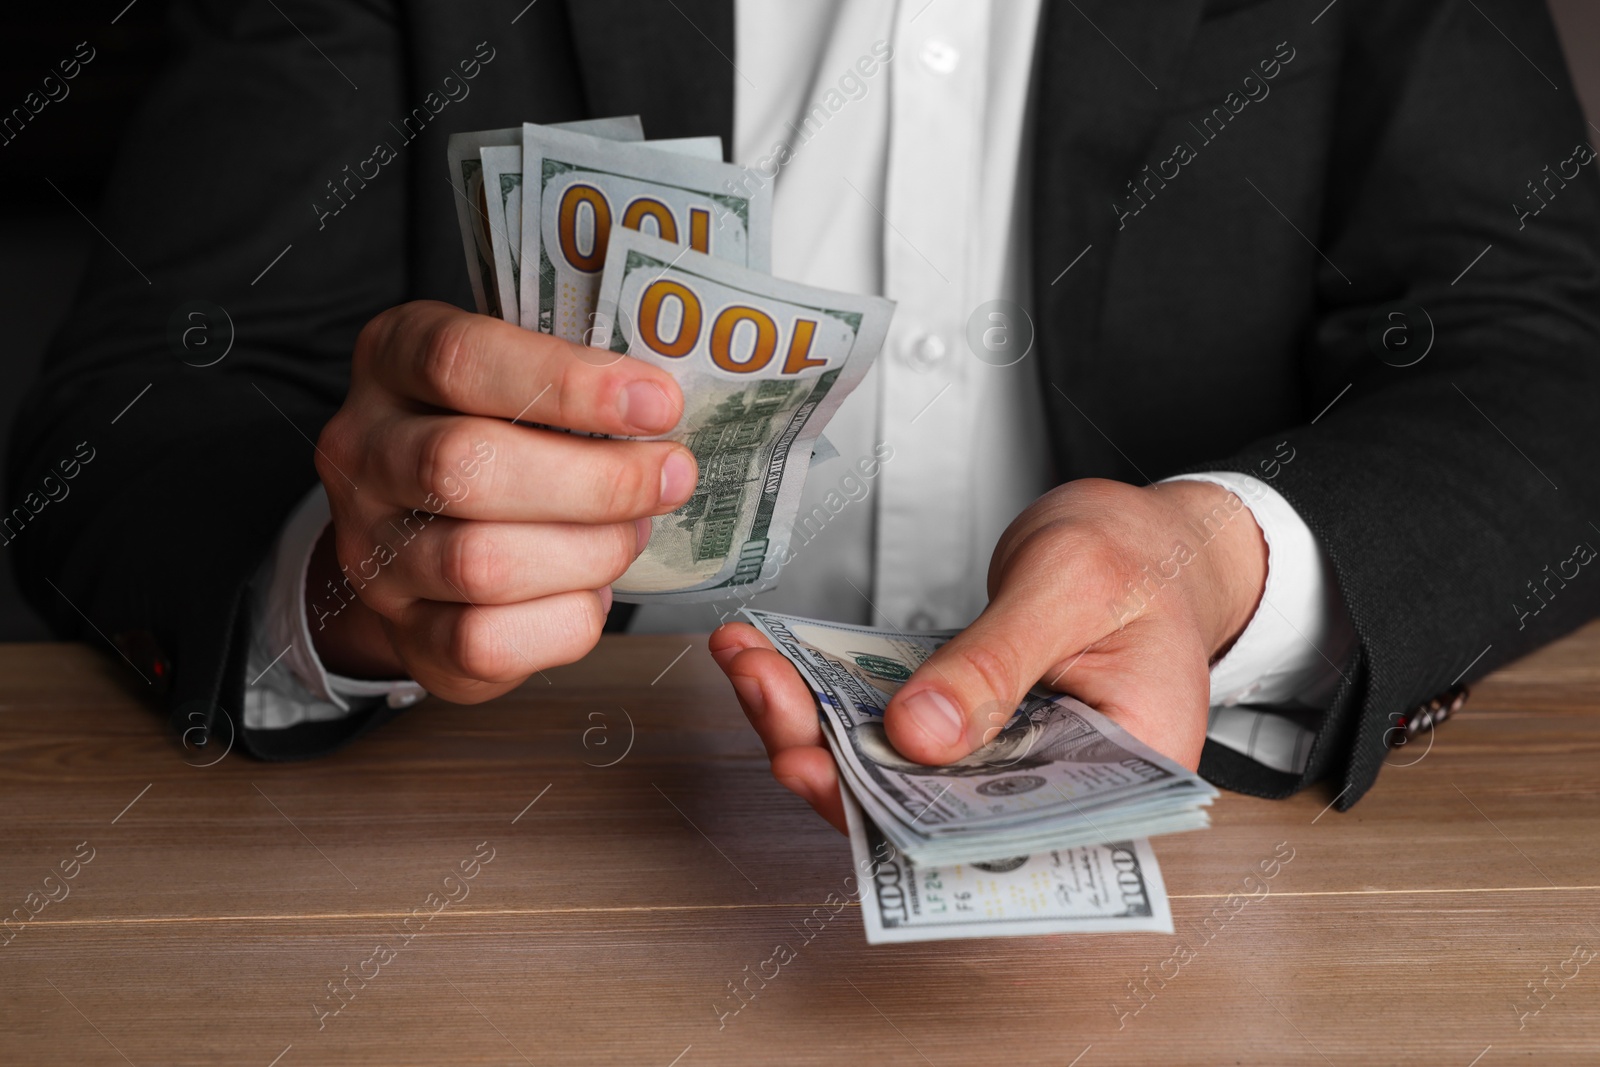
(1121,596)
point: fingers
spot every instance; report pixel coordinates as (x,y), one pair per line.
(1047,609)
(729,639)
(777,700)
(968,689)
(519,474)
(516,576)
(486,562)
(444,357)
(1153,679)
(469,652)
(780,706)
(811,774)
(733,637)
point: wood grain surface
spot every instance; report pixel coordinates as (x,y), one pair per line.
(644,864)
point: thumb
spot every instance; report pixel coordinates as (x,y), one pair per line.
(970,687)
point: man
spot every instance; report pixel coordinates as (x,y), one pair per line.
(1341,267)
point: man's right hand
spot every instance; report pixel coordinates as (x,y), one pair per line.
(481,550)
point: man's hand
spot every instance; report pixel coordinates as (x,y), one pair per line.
(1121,596)
(481,550)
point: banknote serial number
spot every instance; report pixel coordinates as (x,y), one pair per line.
(933,889)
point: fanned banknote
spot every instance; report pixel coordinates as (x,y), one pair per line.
(1095,889)
(577,190)
(502,182)
(1058,774)
(472,214)
(763,369)
(763,364)
(502,204)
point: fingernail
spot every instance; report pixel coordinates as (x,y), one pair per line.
(750,693)
(642,533)
(677,478)
(645,405)
(724,656)
(936,716)
(798,788)
(605,598)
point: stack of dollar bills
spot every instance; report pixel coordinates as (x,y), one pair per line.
(1040,831)
(660,251)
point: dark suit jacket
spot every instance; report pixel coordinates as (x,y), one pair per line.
(1252,286)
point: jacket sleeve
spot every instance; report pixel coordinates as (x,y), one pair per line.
(249,223)
(1458,299)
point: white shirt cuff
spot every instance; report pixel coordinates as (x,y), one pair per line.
(286,681)
(1293,648)
(1292,652)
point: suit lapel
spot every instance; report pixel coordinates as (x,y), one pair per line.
(669,61)
(1104,70)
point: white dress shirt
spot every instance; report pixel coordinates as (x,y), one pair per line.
(896,139)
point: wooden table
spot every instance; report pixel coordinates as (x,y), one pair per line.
(623,903)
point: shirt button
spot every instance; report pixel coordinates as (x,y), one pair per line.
(925,351)
(939,56)
(921,620)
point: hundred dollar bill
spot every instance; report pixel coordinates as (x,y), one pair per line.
(502,199)
(466,178)
(577,189)
(1057,775)
(763,364)
(502,182)
(1102,888)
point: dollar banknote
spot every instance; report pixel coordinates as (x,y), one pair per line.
(502,200)
(1094,889)
(1056,775)
(763,364)
(578,189)
(502,182)
(472,208)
